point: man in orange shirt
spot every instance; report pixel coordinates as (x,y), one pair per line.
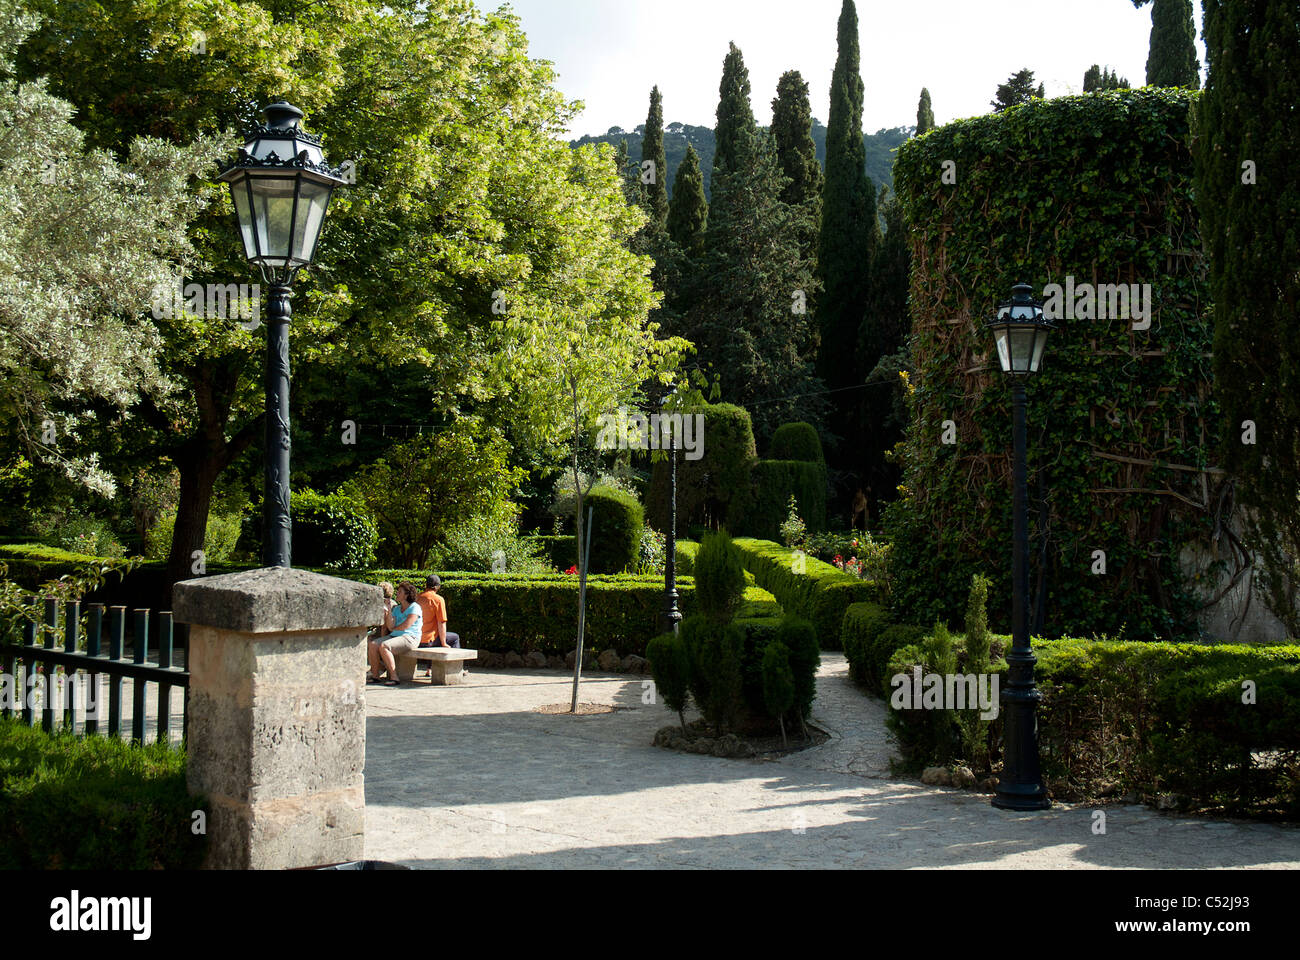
(435,616)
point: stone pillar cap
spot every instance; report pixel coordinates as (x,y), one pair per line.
(276,600)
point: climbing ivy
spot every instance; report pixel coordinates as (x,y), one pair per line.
(1121,422)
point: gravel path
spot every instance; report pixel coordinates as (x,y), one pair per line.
(472,777)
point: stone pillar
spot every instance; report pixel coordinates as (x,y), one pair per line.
(277,714)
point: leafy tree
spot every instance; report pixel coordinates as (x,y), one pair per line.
(652,150)
(1248,191)
(632,192)
(425,487)
(464,190)
(1019,88)
(924,114)
(688,214)
(1172,60)
(85,239)
(1096,79)
(849,233)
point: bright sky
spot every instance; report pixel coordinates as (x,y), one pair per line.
(609,53)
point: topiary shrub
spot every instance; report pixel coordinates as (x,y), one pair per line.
(796,441)
(799,637)
(716,656)
(670,664)
(332,531)
(707,488)
(765,503)
(617,522)
(778,684)
(719,578)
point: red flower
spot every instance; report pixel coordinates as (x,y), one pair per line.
(573,570)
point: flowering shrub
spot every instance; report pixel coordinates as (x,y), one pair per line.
(794,532)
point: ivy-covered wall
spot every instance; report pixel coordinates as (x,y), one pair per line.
(1122,424)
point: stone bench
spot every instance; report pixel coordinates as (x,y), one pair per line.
(448,664)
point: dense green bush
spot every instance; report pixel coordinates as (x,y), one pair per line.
(820,595)
(870,638)
(219,538)
(332,531)
(93,803)
(485,542)
(670,664)
(706,488)
(1152,718)
(719,578)
(778,682)
(522,613)
(617,522)
(799,637)
(796,441)
(1122,422)
(717,652)
(766,500)
(561,552)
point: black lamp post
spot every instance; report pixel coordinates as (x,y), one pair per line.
(281,187)
(672,613)
(1021,334)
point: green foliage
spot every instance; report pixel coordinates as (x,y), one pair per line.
(218,543)
(799,637)
(708,487)
(1095,80)
(766,502)
(482,543)
(717,653)
(924,114)
(426,486)
(688,214)
(1250,228)
(93,803)
(778,680)
(794,532)
(525,612)
(561,553)
(719,578)
(1034,205)
(796,441)
(652,149)
(1172,59)
(670,663)
(332,531)
(1018,89)
(977,624)
(849,234)
(862,625)
(821,595)
(920,732)
(796,152)
(617,524)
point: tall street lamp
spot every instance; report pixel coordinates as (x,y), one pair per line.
(672,613)
(281,185)
(1021,335)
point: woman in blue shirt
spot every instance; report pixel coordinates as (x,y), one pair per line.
(405,625)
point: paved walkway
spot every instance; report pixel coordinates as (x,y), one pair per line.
(471,777)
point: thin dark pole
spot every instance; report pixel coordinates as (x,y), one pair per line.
(277,548)
(1021,786)
(672,613)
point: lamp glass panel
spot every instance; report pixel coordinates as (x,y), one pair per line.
(1040,345)
(273,207)
(1004,350)
(244,211)
(1022,348)
(313,199)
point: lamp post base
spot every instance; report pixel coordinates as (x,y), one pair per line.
(1025,797)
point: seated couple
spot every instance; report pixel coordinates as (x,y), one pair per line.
(414,620)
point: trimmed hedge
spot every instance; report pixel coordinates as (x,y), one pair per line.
(766,502)
(870,639)
(796,441)
(93,803)
(1163,718)
(707,488)
(522,613)
(617,521)
(560,552)
(820,596)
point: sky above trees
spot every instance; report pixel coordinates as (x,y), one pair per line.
(610,54)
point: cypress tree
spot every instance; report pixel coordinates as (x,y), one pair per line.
(1096,79)
(797,154)
(631,184)
(736,136)
(688,211)
(1172,59)
(924,114)
(1019,88)
(848,239)
(652,150)
(1248,189)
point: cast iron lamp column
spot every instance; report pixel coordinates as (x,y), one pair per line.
(1021,335)
(672,613)
(281,186)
